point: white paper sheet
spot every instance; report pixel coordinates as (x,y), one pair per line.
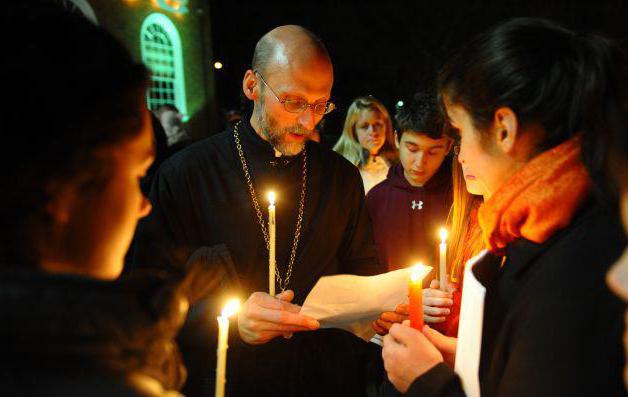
(352,302)
(470,329)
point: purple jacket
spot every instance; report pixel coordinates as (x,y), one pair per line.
(406,218)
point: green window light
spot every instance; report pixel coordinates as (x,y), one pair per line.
(162,54)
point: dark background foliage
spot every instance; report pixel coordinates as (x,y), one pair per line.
(388,49)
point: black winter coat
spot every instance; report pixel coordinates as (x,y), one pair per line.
(551,326)
(65,335)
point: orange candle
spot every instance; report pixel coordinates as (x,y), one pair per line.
(416,297)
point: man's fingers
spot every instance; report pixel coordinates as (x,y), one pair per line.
(283,317)
(387,341)
(264,300)
(402,334)
(286,296)
(278,302)
(292,308)
(390,348)
(434,284)
(279,328)
(436,311)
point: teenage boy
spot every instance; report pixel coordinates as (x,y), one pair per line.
(411,204)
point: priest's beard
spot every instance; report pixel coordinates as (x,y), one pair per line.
(277,136)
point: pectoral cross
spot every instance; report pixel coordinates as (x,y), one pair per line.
(416,205)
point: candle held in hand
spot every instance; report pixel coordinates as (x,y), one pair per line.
(231,308)
(272,230)
(443,259)
(416,297)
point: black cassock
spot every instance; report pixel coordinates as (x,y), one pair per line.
(201,199)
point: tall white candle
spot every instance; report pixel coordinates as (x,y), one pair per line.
(272,264)
(443,259)
(231,308)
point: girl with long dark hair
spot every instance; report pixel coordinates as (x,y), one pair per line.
(525,97)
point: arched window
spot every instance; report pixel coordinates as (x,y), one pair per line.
(162,53)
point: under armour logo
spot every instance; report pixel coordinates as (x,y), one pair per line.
(417,206)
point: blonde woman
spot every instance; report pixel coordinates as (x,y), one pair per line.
(367,140)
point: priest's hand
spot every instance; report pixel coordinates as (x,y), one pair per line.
(437,303)
(407,355)
(263,318)
(387,319)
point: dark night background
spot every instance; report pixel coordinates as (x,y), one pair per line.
(384,48)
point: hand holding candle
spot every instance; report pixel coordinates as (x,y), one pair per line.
(443,259)
(272,264)
(437,304)
(231,308)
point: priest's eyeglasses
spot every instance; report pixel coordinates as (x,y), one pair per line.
(298,105)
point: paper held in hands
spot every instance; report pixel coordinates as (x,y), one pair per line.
(352,302)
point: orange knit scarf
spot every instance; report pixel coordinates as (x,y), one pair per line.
(538,200)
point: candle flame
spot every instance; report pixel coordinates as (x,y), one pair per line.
(271,198)
(443,235)
(417,272)
(231,308)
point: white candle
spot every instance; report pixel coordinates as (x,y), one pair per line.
(231,308)
(272,264)
(443,259)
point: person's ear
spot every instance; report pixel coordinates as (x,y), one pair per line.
(249,85)
(397,140)
(506,129)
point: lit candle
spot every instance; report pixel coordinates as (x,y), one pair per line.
(443,259)
(272,265)
(231,308)
(416,297)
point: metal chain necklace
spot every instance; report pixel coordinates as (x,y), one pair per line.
(282,282)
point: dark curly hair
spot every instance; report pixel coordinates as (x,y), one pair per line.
(75,91)
(421,115)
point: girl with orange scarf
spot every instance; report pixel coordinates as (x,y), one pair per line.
(520,96)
